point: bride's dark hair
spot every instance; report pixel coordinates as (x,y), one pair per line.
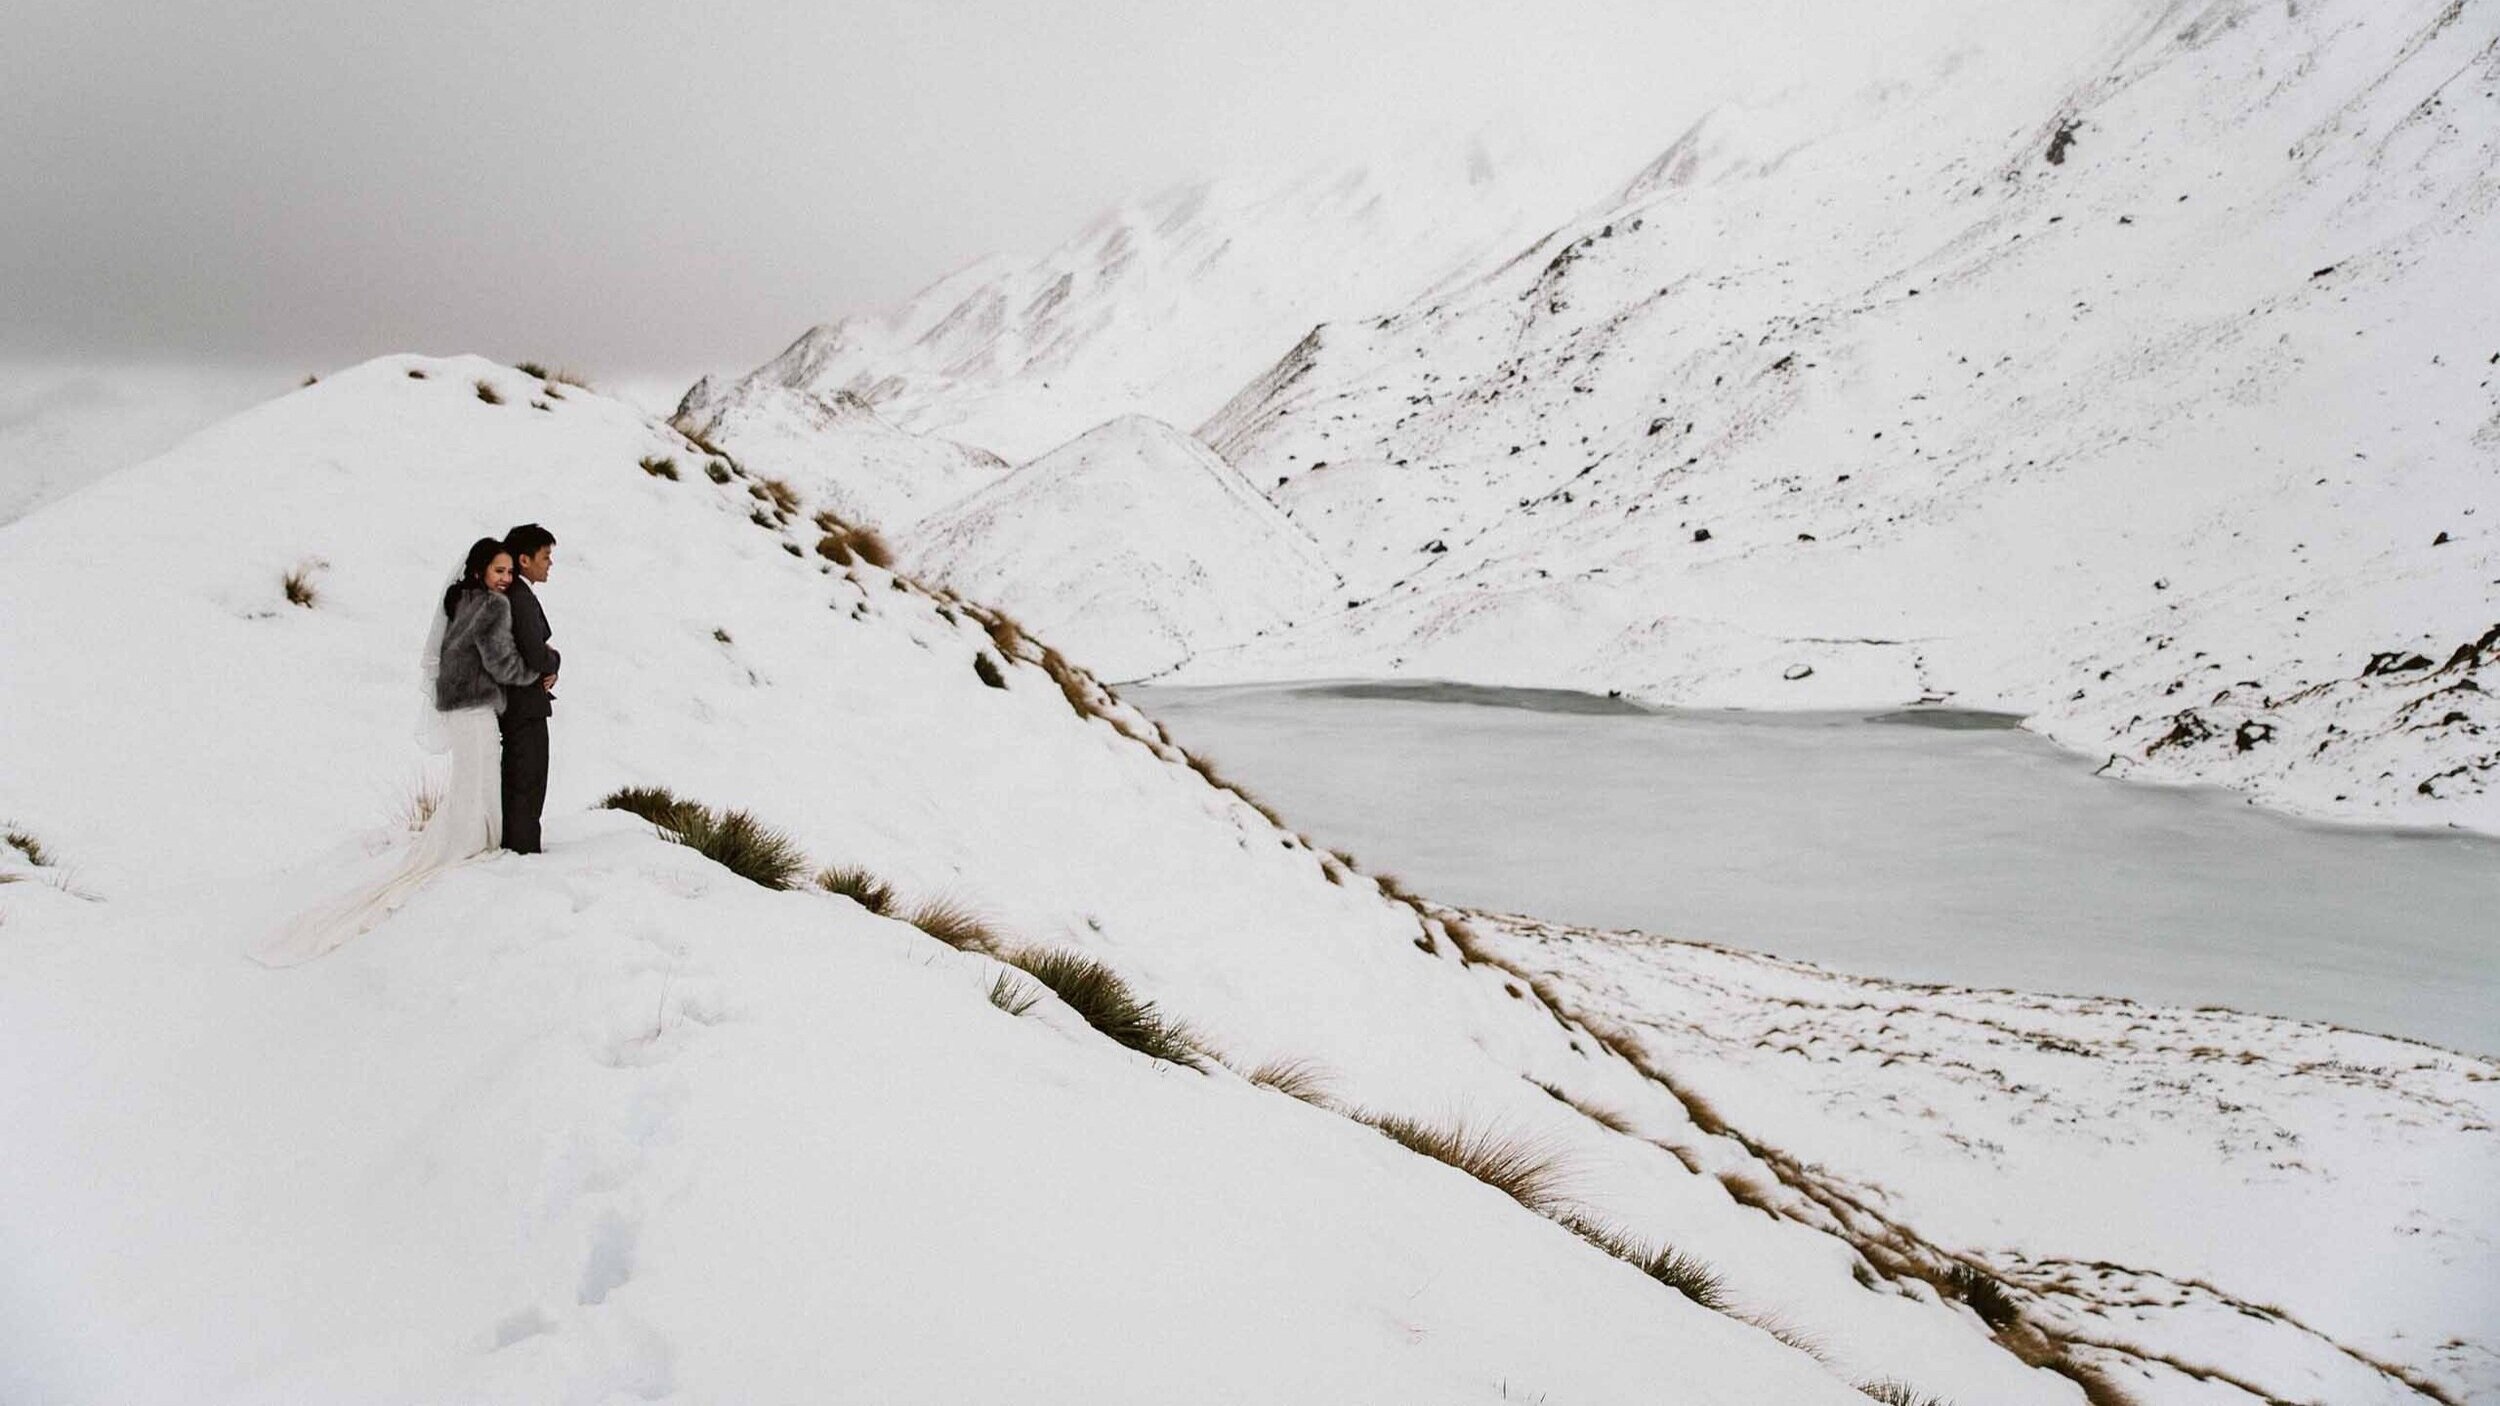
(482,554)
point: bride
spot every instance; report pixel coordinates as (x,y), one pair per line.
(469,658)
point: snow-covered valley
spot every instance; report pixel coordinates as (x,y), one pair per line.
(2124,365)
(617,1123)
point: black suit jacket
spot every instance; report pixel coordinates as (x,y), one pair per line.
(529,637)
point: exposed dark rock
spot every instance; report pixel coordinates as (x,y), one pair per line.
(2187,728)
(2251,733)
(2472,656)
(2394,661)
(1701,534)
(2064,138)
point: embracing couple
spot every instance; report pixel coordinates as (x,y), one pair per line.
(495,685)
(489,680)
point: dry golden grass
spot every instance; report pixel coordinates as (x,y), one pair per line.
(957,925)
(1527,1169)
(858,885)
(1112,1006)
(1296,1078)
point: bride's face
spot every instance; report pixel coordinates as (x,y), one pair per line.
(499,572)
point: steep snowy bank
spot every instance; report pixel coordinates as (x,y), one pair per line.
(611,1121)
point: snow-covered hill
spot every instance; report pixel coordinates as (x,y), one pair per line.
(2137,377)
(1127,546)
(614,1122)
(1165,306)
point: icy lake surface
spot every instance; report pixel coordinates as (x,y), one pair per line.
(1947,847)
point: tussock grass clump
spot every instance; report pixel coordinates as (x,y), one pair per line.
(486,392)
(763,520)
(1112,1006)
(415,374)
(26,844)
(299,587)
(987,670)
(747,847)
(1004,632)
(1010,994)
(1689,1277)
(858,885)
(416,811)
(956,925)
(1749,1192)
(872,548)
(537,370)
(563,377)
(660,466)
(835,548)
(1669,1266)
(735,840)
(716,471)
(1899,1393)
(1295,1078)
(657,804)
(781,495)
(1602,1116)
(1527,1170)
(1985,1295)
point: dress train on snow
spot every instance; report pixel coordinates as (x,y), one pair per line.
(467,824)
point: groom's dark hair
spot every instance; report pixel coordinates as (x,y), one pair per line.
(525,540)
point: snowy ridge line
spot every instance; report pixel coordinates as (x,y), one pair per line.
(2068,1300)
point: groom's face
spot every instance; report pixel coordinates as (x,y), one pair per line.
(534,567)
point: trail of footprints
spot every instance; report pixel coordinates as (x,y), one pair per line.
(596,1183)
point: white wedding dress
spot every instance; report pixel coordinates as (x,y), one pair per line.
(467,824)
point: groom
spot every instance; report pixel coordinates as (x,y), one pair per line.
(527,707)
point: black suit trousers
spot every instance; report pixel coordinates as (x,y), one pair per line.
(524,780)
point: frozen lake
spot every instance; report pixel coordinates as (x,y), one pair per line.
(1946,847)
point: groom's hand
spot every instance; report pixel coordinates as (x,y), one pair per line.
(548,683)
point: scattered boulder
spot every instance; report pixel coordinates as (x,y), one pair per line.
(2251,733)
(1795,672)
(2061,140)
(2187,728)
(1701,534)
(2394,661)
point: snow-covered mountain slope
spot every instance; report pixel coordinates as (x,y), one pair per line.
(2319,1195)
(612,1122)
(839,450)
(1165,306)
(1127,546)
(2129,366)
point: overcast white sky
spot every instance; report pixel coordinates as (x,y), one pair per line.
(642,188)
